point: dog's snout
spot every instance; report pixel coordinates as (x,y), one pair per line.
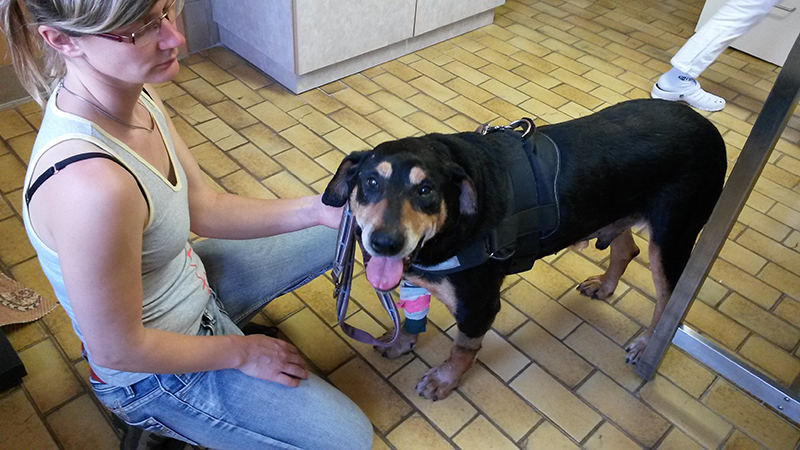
(386,242)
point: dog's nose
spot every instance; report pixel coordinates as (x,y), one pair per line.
(387,243)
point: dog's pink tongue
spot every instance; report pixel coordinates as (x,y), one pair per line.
(384,273)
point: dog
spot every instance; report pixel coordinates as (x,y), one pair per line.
(419,201)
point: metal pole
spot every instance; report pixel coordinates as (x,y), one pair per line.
(739,372)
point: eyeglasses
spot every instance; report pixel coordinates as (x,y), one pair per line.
(149,31)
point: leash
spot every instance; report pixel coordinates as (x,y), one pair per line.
(342,274)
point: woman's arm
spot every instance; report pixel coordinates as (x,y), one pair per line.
(224,215)
(95,217)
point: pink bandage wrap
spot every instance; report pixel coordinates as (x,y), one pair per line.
(415,305)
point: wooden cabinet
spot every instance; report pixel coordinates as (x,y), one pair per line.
(307,43)
(433,14)
(329,31)
(772,38)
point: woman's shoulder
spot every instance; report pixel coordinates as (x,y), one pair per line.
(61,151)
(99,177)
(83,195)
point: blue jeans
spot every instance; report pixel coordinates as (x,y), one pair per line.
(226,408)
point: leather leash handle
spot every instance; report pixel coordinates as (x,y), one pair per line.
(342,274)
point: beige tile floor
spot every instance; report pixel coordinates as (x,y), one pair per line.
(552,373)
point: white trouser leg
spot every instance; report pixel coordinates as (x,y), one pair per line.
(734,19)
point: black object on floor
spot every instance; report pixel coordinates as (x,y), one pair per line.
(255,328)
(11,368)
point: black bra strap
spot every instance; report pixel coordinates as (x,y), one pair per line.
(72,159)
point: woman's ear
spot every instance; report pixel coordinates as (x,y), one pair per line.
(60,41)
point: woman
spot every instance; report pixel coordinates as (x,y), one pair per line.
(110,222)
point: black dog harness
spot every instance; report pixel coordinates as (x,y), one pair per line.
(533,209)
(532,214)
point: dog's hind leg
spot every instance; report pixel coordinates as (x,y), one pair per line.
(623,250)
(671,243)
(663,292)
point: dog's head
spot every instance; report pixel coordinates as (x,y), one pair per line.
(402,194)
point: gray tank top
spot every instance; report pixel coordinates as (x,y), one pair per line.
(173,277)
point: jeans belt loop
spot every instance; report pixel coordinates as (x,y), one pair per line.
(129,391)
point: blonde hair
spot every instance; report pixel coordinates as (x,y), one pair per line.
(19,20)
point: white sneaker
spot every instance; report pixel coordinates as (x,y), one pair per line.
(694,95)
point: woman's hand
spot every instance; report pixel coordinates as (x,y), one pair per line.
(329,216)
(271,359)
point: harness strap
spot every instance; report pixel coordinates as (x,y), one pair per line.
(57,167)
(532,169)
(536,211)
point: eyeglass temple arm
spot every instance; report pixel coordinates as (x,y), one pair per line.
(116,37)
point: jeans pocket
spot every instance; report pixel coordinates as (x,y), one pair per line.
(152,425)
(115,398)
(219,303)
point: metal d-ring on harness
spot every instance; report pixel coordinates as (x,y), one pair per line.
(527,125)
(343,278)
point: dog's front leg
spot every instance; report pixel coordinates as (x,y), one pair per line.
(415,300)
(438,382)
(404,343)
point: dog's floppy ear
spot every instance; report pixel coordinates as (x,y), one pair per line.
(338,189)
(468,200)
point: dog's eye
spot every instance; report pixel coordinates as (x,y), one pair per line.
(424,190)
(371,182)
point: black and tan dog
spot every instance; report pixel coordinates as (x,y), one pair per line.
(421,200)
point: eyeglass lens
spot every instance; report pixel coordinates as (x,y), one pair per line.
(150,30)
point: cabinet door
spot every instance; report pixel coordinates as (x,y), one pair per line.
(330,31)
(265,26)
(772,38)
(432,14)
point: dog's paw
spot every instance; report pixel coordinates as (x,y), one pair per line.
(402,345)
(636,349)
(579,246)
(596,288)
(437,383)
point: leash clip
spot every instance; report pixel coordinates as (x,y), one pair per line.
(526,124)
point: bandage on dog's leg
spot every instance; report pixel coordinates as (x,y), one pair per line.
(415,301)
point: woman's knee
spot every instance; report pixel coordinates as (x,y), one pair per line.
(321,242)
(352,430)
